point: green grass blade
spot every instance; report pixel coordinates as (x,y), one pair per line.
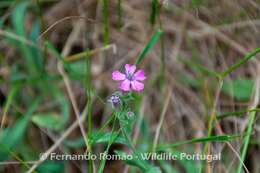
(243,61)
(238,113)
(18,19)
(9,102)
(53,50)
(149,46)
(221,138)
(111,141)
(200,68)
(246,140)
(36,53)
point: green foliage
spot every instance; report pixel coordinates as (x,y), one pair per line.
(52,121)
(29,80)
(96,138)
(51,167)
(197,3)
(190,166)
(31,54)
(14,135)
(167,167)
(240,89)
(221,138)
(105,137)
(76,70)
(138,160)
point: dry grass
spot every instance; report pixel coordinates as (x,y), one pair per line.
(213,35)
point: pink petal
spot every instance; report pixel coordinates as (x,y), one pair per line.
(139,75)
(117,75)
(137,86)
(125,85)
(130,69)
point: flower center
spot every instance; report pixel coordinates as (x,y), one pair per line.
(130,76)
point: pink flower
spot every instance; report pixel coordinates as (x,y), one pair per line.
(131,80)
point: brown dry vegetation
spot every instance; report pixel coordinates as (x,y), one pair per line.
(213,35)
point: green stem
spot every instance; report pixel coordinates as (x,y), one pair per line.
(111,140)
(244,60)
(247,139)
(89,107)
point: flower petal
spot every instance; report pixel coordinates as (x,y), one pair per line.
(139,75)
(137,86)
(130,69)
(117,75)
(125,85)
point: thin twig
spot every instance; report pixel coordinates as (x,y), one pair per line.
(62,20)
(74,34)
(163,113)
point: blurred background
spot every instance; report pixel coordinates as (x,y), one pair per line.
(44,48)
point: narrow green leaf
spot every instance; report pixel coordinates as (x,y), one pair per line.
(18,19)
(36,53)
(246,140)
(241,62)
(53,50)
(221,138)
(96,138)
(149,46)
(9,102)
(111,141)
(200,68)
(238,113)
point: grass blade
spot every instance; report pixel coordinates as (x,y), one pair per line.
(10,99)
(149,46)
(238,113)
(221,138)
(243,61)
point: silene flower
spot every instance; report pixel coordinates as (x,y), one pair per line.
(131,79)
